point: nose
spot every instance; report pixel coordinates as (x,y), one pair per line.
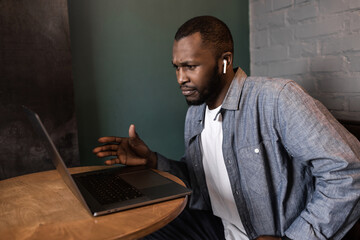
(181,76)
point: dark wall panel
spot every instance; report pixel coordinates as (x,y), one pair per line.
(35,70)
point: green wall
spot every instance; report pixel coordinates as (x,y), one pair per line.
(121,56)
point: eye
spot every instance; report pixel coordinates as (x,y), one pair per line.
(191,67)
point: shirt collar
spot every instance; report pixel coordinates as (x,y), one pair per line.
(232,98)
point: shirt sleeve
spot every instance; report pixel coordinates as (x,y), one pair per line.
(177,168)
(313,136)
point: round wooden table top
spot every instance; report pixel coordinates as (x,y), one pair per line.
(41,206)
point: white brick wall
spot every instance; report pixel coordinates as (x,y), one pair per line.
(314,42)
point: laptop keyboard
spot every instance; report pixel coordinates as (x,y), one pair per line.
(107,188)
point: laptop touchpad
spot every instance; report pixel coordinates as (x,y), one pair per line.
(145,179)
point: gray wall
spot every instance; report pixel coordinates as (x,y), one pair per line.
(122,67)
(314,42)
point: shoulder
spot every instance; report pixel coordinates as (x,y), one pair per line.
(267,84)
(273,88)
(265,89)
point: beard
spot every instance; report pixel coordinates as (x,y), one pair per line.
(210,92)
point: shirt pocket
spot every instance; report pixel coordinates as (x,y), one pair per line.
(255,169)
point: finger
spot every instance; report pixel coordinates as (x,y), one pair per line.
(118,161)
(112,161)
(134,137)
(106,148)
(132,131)
(110,139)
(106,154)
(142,161)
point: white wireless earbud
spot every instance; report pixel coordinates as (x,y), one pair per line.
(225,63)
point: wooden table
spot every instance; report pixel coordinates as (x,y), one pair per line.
(40,206)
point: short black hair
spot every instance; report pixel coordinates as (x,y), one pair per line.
(212,30)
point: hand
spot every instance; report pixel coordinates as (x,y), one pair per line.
(128,150)
(267,238)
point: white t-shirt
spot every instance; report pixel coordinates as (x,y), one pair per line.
(217,178)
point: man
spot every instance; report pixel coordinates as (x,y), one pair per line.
(261,154)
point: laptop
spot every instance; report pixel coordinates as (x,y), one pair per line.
(111,189)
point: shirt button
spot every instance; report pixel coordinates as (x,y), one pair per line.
(256,150)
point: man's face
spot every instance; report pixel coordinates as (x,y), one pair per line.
(197,70)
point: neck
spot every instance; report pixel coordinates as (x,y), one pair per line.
(226,79)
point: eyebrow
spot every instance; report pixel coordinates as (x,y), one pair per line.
(186,63)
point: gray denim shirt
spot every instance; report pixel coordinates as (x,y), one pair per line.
(293,168)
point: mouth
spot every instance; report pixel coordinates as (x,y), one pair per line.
(187,91)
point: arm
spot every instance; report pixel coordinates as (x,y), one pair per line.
(177,168)
(313,136)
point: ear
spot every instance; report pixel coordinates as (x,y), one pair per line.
(228,57)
